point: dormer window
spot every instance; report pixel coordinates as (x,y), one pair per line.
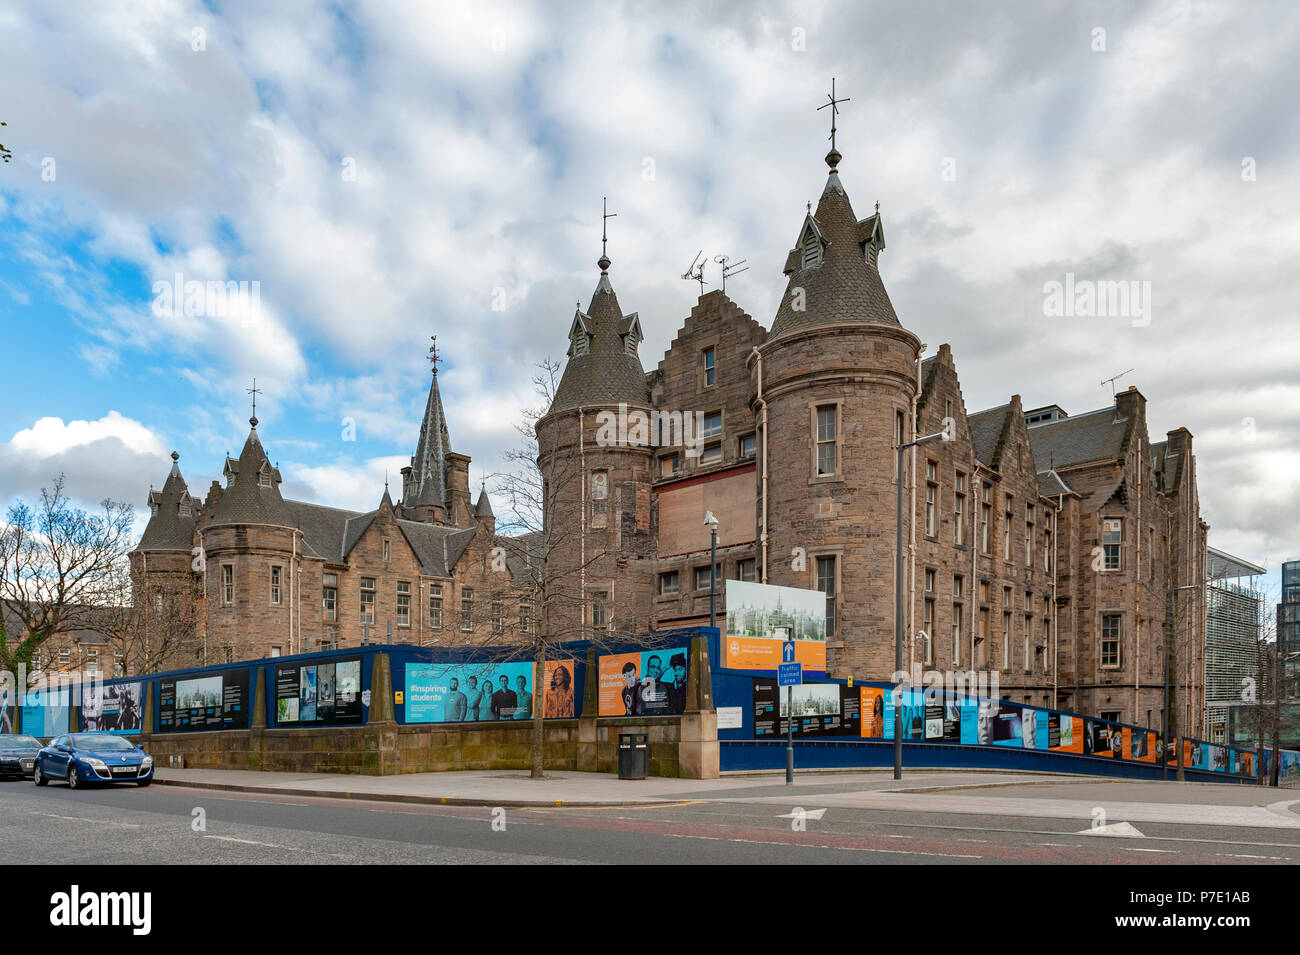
(629,344)
(579,345)
(264,477)
(810,254)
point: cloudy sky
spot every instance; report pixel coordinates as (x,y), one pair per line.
(390,171)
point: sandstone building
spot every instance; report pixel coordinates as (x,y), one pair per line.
(1046,547)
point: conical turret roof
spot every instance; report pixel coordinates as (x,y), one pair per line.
(171,524)
(835,282)
(254,493)
(603,369)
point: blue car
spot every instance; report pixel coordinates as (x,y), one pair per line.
(82,758)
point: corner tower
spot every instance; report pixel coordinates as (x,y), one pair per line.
(597,541)
(837,376)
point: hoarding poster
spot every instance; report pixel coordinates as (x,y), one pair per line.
(647,683)
(8,708)
(820,709)
(992,723)
(321,693)
(1101,738)
(1139,745)
(871,705)
(45,711)
(761,617)
(913,702)
(1288,765)
(217,701)
(115,708)
(558,690)
(469,692)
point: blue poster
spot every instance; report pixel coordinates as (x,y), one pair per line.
(45,712)
(913,714)
(468,692)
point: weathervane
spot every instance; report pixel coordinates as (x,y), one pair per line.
(695,273)
(254,391)
(433,353)
(605,215)
(729,268)
(834,105)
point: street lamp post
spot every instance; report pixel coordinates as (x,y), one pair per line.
(898,600)
(711,523)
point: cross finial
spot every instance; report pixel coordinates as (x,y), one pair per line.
(605,215)
(833,157)
(433,353)
(254,391)
(877,207)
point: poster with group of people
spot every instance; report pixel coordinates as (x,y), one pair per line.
(486,692)
(115,708)
(649,683)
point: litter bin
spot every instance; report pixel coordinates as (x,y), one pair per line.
(633,755)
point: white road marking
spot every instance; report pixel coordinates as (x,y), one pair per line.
(803,813)
(251,842)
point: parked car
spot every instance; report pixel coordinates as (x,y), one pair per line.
(18,754)
(82,758)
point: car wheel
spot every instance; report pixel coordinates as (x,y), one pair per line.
(38,777)
(74,778)
(143,782)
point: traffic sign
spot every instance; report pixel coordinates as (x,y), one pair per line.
(789,674)
(787,652)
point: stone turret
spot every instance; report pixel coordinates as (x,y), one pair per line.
(598,483)
(839,374)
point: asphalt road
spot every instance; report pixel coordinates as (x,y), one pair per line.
(160,825)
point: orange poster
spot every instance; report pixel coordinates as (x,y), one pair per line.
(557,690)
(614,679)
(763,653)
(871,702)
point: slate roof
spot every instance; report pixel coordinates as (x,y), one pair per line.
(324,529)
(607,374)
(1092,436)
(1050,484)
(484,507)
(986,429)
(438,548)
(168,528)
(843,286)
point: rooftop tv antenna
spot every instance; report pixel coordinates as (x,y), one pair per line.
(695,273)
(729,268)
(1111,381)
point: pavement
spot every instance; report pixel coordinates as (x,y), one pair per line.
(1025,795)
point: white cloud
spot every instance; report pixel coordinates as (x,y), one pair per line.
(484,137)
(114,457)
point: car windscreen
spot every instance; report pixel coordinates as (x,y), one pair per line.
(18,741)
(104,742)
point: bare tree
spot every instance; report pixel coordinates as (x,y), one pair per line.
(540,535)
(154,630)
(57,569)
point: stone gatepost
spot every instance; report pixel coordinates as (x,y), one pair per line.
(586,758)
(697,749)
(382,723)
